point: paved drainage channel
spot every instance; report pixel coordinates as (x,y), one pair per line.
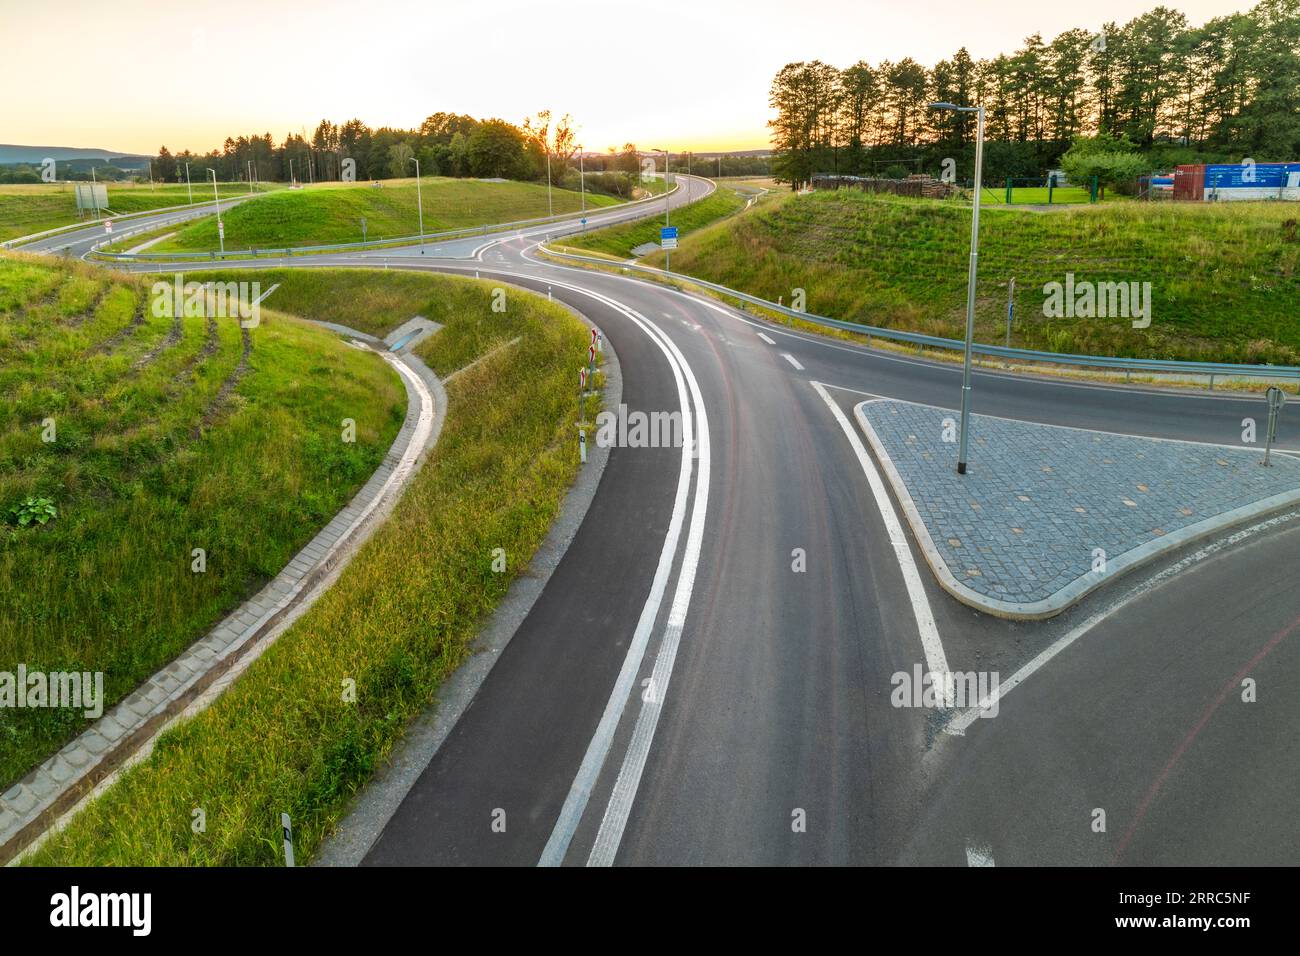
(197,677)
(1046,513)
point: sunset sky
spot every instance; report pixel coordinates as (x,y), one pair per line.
(135,74)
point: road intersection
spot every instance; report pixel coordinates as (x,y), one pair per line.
(707,675)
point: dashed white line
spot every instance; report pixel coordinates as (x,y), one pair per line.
(766,339)
(792,360)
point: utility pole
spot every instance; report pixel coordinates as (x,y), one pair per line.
(216,201)
(971,275)
(419,202)
(189,188)
(550,207)
(582,178)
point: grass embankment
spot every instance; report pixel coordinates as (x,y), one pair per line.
(164,440)
(333,214)
(1225,279)
(28,209)
(402,614)
(619,240)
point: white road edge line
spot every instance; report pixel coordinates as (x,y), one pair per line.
(792,360)
(979,855)
(959,724)
(619,808)
(575,804)
(935,658)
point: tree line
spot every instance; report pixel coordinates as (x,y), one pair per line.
(445,144)
(1156,85)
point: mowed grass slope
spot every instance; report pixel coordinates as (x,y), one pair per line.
(620,239)
(1225,278)
(28,209)
(167,436)
(285,737)
(333,214)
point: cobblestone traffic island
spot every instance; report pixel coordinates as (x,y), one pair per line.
(1046,514)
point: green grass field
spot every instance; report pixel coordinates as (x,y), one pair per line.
(619,240)
(332,213)
(1225,279)
(167,436)
(1036,195)
(28,209)
(402,614)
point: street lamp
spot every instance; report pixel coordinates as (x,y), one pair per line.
(668,256)
(419,201)
(291,180)
(188,187)
(973,271)
(216,201)
(582,178)
(660,149)
(550,207)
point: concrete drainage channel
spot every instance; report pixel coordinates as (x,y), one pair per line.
(57,788)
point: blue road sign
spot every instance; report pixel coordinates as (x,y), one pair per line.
(668,232)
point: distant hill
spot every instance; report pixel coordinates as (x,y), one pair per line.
(10,154)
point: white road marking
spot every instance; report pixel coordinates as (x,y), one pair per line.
(792,360)
(766,339)
(979,855)
(935,659)
(958,725)
(855,391)
(610,835)
(575,803)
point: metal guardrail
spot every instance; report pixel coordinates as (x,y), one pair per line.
(1168,366)
(464,232)
(20,241)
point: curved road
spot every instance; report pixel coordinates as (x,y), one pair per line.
(681,694)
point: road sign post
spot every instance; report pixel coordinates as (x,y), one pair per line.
(668,242)
(1011,307)
(1276,399)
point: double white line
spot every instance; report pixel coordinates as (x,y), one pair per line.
(695,432)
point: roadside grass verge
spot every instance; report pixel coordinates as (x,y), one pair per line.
(165,440)
(1225,279)
(398,621)
(620,239)
(326,216)
(30,208)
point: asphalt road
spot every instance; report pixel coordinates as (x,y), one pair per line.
(683,694)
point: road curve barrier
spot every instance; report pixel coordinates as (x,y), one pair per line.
(1110,362)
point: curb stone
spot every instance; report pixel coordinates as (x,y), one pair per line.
(125,734)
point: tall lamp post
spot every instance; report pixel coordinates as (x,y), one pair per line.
(973,271)
(419,202)
(660,149)
(550,207)
(216,201)
(189,188)
(582,178)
